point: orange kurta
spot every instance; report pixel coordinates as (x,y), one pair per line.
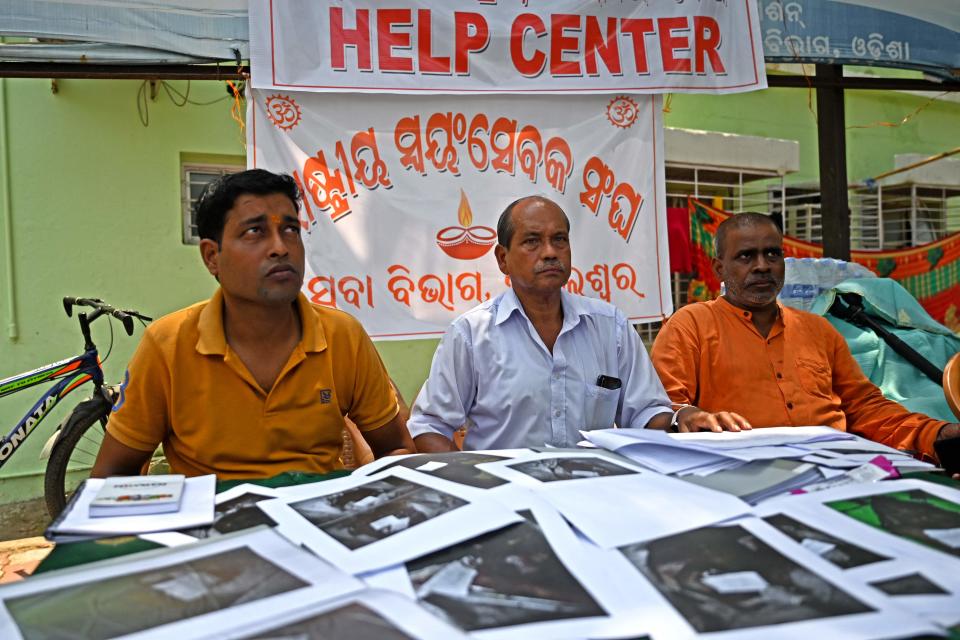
(710,354)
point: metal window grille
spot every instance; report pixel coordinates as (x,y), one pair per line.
(194,179)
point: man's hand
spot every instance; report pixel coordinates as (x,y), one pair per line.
(695,419)
(950,431)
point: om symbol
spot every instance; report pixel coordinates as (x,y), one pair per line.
(283,111)
(622,112)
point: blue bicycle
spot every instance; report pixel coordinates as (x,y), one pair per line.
(73,447)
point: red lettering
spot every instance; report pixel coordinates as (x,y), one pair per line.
(342,157)
(605,45)
(365,143)
(558,163)
(407,138)
(706,39)
(561,44)
(325,187)
(475,142)
(532,66)
(602,184)
(427,61)
(529,151)
(670,43)
(387,39)
(341,38)
(637,28)
(466,44)
(323,291)
(306,204)
(445,158)
(502,143)
(619,221)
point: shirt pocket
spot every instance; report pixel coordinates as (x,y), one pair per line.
(600,407)
(815,378)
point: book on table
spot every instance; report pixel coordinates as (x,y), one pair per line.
(137,495)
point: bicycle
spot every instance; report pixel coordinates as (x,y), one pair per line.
(74,444)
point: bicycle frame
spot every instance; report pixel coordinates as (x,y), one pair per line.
(72,373)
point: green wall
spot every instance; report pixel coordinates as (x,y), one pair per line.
(95,207)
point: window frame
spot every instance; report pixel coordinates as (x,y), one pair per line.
(187,223)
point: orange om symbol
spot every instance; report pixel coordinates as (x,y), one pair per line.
(283,111)
(622,112)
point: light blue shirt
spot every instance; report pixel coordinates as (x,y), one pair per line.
(493,373)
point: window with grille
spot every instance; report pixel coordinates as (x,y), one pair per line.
(194,178)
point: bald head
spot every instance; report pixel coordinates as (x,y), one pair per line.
(506,224)
(739,221)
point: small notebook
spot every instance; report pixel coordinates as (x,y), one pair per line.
(137,495)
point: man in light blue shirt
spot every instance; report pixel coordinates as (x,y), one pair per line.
(536,364)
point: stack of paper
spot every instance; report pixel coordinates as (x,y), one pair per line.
(759,480)
(76,523)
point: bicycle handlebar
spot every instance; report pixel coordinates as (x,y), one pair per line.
(99,307)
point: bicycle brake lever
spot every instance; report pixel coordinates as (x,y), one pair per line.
(68,306)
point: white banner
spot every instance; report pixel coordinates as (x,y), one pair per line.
(507,46)
(402,196)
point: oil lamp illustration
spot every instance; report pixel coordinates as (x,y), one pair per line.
(466,242)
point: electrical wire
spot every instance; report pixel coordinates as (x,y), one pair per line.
(181,99)
(109,348)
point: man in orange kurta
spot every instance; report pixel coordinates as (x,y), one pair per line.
(747,353)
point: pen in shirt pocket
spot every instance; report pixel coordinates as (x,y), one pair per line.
(608,382)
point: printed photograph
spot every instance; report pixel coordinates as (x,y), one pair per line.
(721,578)
(102,609)
(353,621)
(914,584)
(505,578)
(839,552)
(460,467)
(915,515)
(376,510)
(572,468)
(234,515)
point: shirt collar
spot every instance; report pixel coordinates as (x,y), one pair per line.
(747,317)
(571,305)
(213,340)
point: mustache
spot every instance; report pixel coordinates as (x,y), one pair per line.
(762,280)
(550,265)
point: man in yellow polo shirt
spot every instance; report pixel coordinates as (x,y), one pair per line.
(255,381)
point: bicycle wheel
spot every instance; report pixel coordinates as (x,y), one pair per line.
(73,455)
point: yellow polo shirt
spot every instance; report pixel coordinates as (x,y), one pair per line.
(185,388)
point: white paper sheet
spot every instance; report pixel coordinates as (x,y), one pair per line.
(876,554)
(196,510)
(392,578)
(667,459)
(378,465)
(370,613)
(385,518)
(899,520)
(648,506)
(535,469)
(567,577)
(768,436)
(201,586)
(718,588)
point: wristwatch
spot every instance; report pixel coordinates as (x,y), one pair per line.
(675,421)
